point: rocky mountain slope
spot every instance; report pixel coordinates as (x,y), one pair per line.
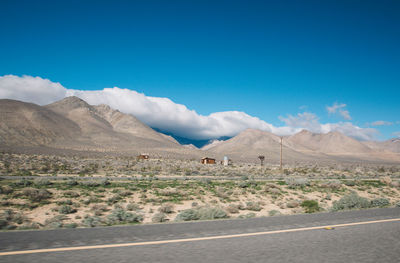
(28,124)
(73,124)
(249,144)
(328,143)
(303,146)
(392,145)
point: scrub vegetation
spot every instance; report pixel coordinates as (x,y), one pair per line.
(45,192)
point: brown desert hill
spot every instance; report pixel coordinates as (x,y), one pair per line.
(73,124)
(126,123)
(329,143)
(83,114)
(27,124)
(301,147)
(251,143)
(110,129)
(392,145)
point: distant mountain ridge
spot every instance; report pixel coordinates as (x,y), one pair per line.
(303,146)
(73,124)
(328,143)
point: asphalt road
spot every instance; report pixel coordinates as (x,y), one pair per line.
(296,238)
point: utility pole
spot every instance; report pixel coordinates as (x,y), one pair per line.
(281,153)
(261,157)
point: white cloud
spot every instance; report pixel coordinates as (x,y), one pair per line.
(311,122)
(335,107)
(382,123)
(396,134)
(31,89)
(167,115)
(306,120)
(339,108)
(345,114)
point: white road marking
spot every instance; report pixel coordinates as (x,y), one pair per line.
(48,250)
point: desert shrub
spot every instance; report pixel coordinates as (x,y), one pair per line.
(55,225)
(99,209)
(253,206)
(6,220)
(42,182)
(119,216)
(380,202)
(91,199)
(293,182)
(332,184)
(351,201)
(222,193)
(292,204)
(5,189)
(166,208)
(30,225)
(274,213)
(385,180)
(23,182)
(244,184)
(310,206)
(24,173)
(270,186)
(66,209)
(92,221)
(71,182)
(3,223)
(114,199)
(132,207)
(104,182)
(159,218)
(232,209)
(55,222)
(241,206)
(36,195)
(350,183)
(125,193)
(202,213)
(398,204)
(65,202)
(248,215)
(274,191)
(188,215)
(71,225)
(207,213)
(9,216)
(71,194)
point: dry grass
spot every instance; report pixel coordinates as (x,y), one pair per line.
(159,190)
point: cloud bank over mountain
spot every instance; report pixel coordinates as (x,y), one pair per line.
(176,118)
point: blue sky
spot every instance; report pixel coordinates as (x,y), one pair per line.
(269,59)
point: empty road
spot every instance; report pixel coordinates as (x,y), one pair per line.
(354,236)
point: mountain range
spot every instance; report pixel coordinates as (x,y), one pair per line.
(72,124)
